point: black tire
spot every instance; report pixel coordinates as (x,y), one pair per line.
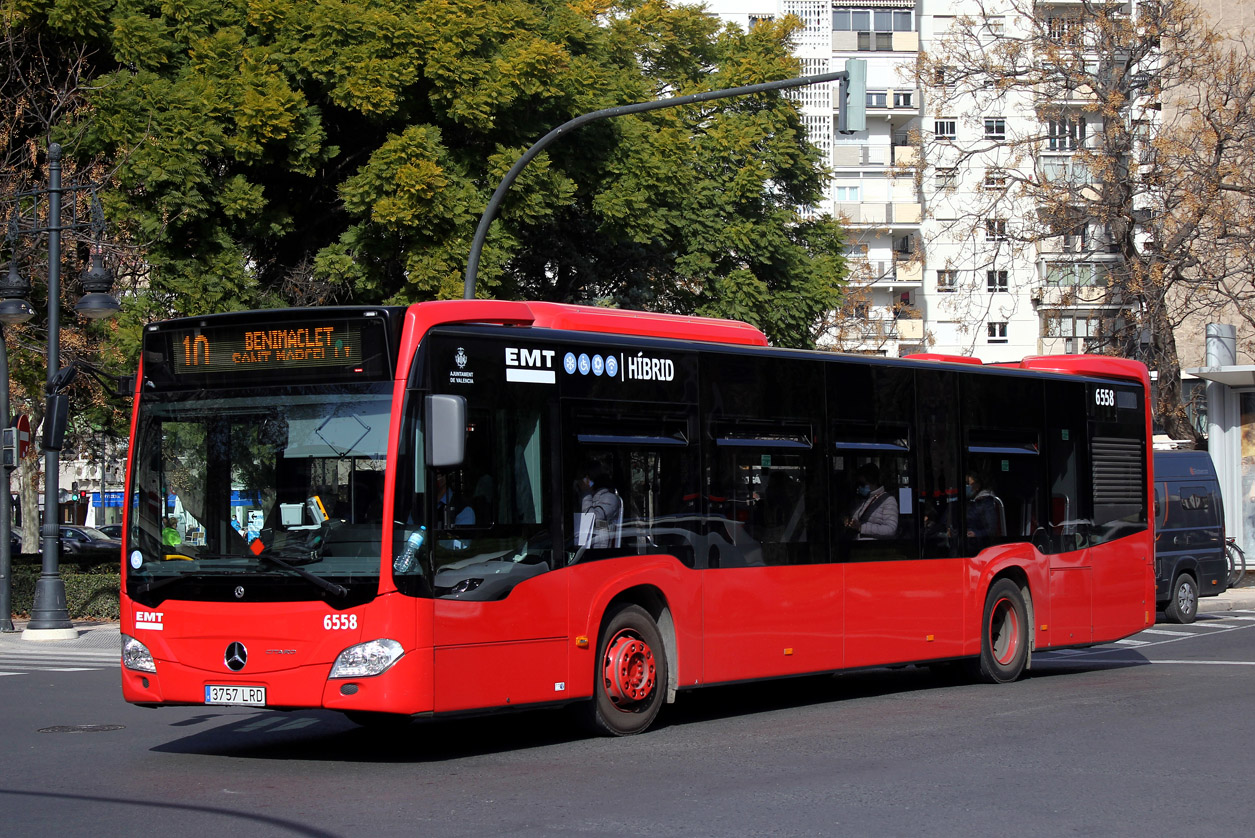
(630,679)
(1004,635)
(1182,600)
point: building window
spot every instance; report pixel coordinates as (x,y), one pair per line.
(903,100)
(945,129)
(995,230)
(875,27)
(996,25)
(1066,169)
(947,281)
(995,281)
(1077,328)
(1076,274)
(847,194)
(947,178)
(1064,28)
(1065,134)
(756,20)
(995,179)
(997,332)
(877,99)
(995,128)
(868,20)
(943,77)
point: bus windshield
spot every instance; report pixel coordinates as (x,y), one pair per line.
(227,482)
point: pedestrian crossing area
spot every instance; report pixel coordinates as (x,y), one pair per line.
(26,658)
(1207,624)
(1164,635)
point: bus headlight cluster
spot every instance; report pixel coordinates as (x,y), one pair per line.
(135,655)
(366,659)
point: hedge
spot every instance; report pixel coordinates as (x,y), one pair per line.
(89,595)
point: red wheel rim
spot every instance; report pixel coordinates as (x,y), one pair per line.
(629,671)
(1004,631)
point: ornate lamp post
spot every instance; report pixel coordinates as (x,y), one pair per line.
(50,619)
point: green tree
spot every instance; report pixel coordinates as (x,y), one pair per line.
(317,151)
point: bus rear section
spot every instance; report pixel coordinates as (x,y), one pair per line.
(464,507)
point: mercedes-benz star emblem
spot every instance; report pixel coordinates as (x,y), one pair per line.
(236,657)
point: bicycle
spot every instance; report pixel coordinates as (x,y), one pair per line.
(1237,562)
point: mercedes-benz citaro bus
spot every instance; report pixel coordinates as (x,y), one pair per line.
(475,505)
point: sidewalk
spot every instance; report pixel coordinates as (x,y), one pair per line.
(1234,599)
(91,635)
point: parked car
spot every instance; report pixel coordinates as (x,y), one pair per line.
(112,530)
(1190,557)
(88,543)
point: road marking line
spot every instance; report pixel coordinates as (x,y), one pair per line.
(1208,663)
(66,669)
(12,673)
(1130,642)
(1171,633)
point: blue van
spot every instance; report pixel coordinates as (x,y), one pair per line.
(1190,557)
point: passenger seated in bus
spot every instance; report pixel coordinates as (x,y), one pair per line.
(599,499)
(985,518)
(875,511)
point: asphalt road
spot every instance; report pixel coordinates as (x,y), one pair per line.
(1153,736)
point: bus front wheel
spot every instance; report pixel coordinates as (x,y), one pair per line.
(1005,633)
(631,675)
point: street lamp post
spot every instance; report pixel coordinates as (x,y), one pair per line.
(50,619)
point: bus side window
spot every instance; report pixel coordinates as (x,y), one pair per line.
(630,486)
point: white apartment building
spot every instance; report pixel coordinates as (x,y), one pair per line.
(931,273)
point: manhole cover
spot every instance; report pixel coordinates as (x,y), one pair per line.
(81,728)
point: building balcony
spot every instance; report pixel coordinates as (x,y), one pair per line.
(880,214)
(846,41)
(869,333)
(874,273)
(900,102)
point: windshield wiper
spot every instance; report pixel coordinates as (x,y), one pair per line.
(149,587)
(317,581)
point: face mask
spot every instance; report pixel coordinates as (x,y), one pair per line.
(864,491)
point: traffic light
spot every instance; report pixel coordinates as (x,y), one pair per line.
(84,496)
(852,104)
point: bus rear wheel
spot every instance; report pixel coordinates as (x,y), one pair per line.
(631,676)
(1005,634)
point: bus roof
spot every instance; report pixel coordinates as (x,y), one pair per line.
(577,318)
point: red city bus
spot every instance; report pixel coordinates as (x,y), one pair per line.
(475,505)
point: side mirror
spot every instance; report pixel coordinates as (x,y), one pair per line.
(445,421)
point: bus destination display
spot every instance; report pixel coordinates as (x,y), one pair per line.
(270,349)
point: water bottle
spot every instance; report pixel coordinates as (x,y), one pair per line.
(413,544)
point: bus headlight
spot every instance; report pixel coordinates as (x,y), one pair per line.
(135,655)
(366,659)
